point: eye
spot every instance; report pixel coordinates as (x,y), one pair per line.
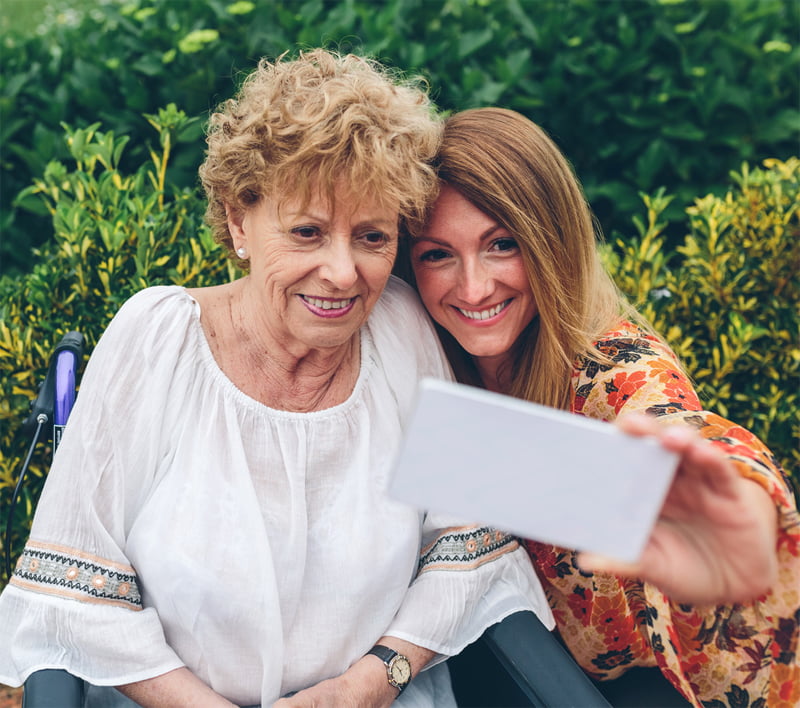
(504,244)
(375,238)
(433,255)
(305,232)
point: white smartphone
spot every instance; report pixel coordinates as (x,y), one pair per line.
(531,470)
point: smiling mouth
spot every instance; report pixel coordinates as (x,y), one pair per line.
(328,303)
(485,314)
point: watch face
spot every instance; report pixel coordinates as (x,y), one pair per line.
(400,669)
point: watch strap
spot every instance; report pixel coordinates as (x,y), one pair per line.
(383,653)
(387,656)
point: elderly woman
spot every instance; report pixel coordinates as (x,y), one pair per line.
(214,529)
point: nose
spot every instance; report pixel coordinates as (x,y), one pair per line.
(475,282)
(339,265)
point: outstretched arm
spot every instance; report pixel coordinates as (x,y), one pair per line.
(715,538)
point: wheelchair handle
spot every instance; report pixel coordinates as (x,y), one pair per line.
(57,393)
(66,371)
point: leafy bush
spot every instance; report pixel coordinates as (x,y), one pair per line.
(728,300)
(115,233)
(671,93)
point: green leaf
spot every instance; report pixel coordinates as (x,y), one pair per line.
(197,40)
(242,7)
(470,42)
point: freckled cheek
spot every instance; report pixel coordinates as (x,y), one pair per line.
(513,274)
(434,283)
(433,287)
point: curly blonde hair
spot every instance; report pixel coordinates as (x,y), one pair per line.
(316,123)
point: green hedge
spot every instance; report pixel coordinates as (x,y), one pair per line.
(728,300)
(115,232)
(639,93)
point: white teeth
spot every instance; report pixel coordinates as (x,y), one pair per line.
(327,304)
(484,314)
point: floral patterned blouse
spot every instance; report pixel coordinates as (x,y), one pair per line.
(742,655)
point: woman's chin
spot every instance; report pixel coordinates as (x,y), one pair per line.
(485,350)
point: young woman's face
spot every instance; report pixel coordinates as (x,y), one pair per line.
(471,277)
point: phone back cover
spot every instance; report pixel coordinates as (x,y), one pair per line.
(530,470)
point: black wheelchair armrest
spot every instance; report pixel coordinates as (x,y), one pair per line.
(53,688)
(541,667)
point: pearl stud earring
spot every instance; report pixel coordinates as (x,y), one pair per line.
(241,252)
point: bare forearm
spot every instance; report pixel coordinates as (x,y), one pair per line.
(364,685)
(418,656)
(175,688)
(373,670)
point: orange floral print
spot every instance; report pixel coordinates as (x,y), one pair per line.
(580,603)
(607,611)
(623,387)
(678,390)
(787,687)
(742,655)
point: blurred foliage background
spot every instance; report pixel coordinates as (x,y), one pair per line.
(640,94)
(681,118)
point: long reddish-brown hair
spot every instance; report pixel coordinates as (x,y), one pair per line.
(507,167)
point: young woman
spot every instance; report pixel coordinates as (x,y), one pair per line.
(506,264)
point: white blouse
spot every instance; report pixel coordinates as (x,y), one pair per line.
(184,523)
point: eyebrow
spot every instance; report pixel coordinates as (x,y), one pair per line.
(483,237)
(377,222)
(380,223)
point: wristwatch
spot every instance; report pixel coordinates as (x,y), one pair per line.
(398,667)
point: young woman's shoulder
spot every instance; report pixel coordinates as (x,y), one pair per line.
(636,371)
(630,341)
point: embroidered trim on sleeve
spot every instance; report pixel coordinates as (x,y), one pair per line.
(66,572)
(465,549)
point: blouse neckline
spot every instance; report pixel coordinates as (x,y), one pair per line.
(230,389)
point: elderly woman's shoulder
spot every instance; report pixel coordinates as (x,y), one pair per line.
(143,343)
(400,307)
(401,297)
(153,314)
(154,301)
(403,333)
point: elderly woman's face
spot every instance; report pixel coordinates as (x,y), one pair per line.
(317,271)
